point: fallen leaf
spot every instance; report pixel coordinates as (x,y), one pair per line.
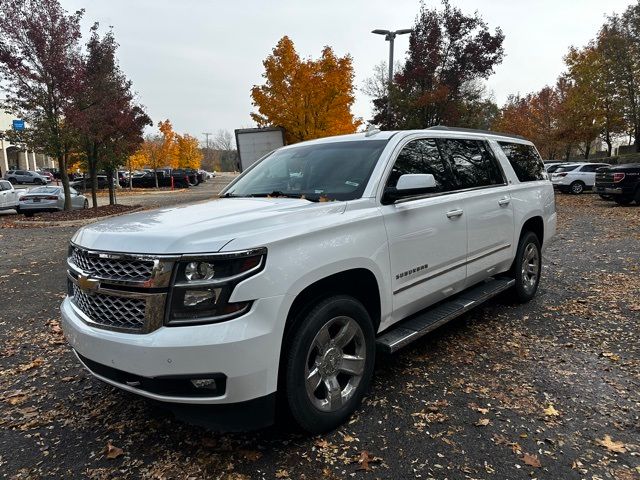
(609,444)
(531,460)
(364,460)
(483,422)
(348,438)
(550,411)
(282,473)
(112,452)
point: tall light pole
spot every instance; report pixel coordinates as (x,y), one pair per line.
(390,37)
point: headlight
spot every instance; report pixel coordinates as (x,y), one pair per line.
(203,286)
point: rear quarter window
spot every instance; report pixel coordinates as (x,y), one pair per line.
(524,160)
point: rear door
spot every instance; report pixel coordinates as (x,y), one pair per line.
(588,174)
(486,204)
(427,234)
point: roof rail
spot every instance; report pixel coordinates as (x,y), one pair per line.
(472,130)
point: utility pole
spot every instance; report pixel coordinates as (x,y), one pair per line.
(208,152)
(207,135)
(390,37)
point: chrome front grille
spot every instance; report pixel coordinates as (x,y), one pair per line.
(111,311)
(110,267)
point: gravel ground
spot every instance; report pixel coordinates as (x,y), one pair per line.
(547,390)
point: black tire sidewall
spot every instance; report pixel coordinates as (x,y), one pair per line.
(521,294)
(577,182)
(304,412)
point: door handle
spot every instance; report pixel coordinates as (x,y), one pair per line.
(454,213)
(503,202)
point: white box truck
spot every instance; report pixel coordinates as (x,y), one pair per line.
(255,143)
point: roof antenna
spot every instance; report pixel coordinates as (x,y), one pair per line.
(371,131)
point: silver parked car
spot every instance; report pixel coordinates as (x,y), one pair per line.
(26,176)
(49,199)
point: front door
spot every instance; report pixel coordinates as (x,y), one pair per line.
(427,235)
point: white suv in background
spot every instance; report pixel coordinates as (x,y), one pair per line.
(315,257)
(576,177)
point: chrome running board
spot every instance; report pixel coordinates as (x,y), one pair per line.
(418,325)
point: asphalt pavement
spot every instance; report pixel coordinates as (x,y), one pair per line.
(547,390)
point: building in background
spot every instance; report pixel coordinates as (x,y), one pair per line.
(13,157)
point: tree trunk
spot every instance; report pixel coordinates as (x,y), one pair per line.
(112,194)
(130,180)
(62,165)
(587,149)
(155,175)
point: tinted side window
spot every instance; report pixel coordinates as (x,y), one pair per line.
(423,156)
(591,168)
(524,160)
(474,164)
(5,186)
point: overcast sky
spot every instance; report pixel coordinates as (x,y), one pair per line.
(195,61)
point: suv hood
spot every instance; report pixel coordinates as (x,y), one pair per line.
(203,227)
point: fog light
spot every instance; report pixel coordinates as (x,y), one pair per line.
(193,298)
(204,383)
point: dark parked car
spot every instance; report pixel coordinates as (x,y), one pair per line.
(180,180)
(84,184)
(619,182)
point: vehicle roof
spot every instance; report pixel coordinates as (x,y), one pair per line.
(434,132)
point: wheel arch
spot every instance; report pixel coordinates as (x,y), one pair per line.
(360,283)
(533,224)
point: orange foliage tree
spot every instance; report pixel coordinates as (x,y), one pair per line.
(188,151)
(308,98)
(168,145)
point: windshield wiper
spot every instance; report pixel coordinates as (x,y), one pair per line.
(278,193)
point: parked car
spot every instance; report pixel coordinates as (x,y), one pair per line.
(46,173)
(9,196)
(49,199)
(620,183)
(552,167)
(576,177)
(290,283)
(147,180)
(25,176)
(84,183)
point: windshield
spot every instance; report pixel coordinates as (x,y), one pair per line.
(325,171)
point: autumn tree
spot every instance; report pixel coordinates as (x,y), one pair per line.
(40,59)
(309,98)
(449,52)
(108,122)
(188,152)
(168,145)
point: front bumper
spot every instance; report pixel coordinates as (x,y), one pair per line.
(245,351)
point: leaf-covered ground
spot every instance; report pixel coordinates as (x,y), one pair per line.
(545,390)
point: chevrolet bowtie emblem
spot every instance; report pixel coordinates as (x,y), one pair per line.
(88,284)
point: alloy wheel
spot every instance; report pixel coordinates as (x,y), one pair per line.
(530,267)
(335,363)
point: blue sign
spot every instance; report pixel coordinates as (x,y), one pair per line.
(18,125)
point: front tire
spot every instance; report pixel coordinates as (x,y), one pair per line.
(576,188)
(330,363)
(527,267)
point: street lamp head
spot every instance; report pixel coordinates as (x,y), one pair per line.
(403,31)
(380,32)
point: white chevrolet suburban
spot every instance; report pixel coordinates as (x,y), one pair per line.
(316,257)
